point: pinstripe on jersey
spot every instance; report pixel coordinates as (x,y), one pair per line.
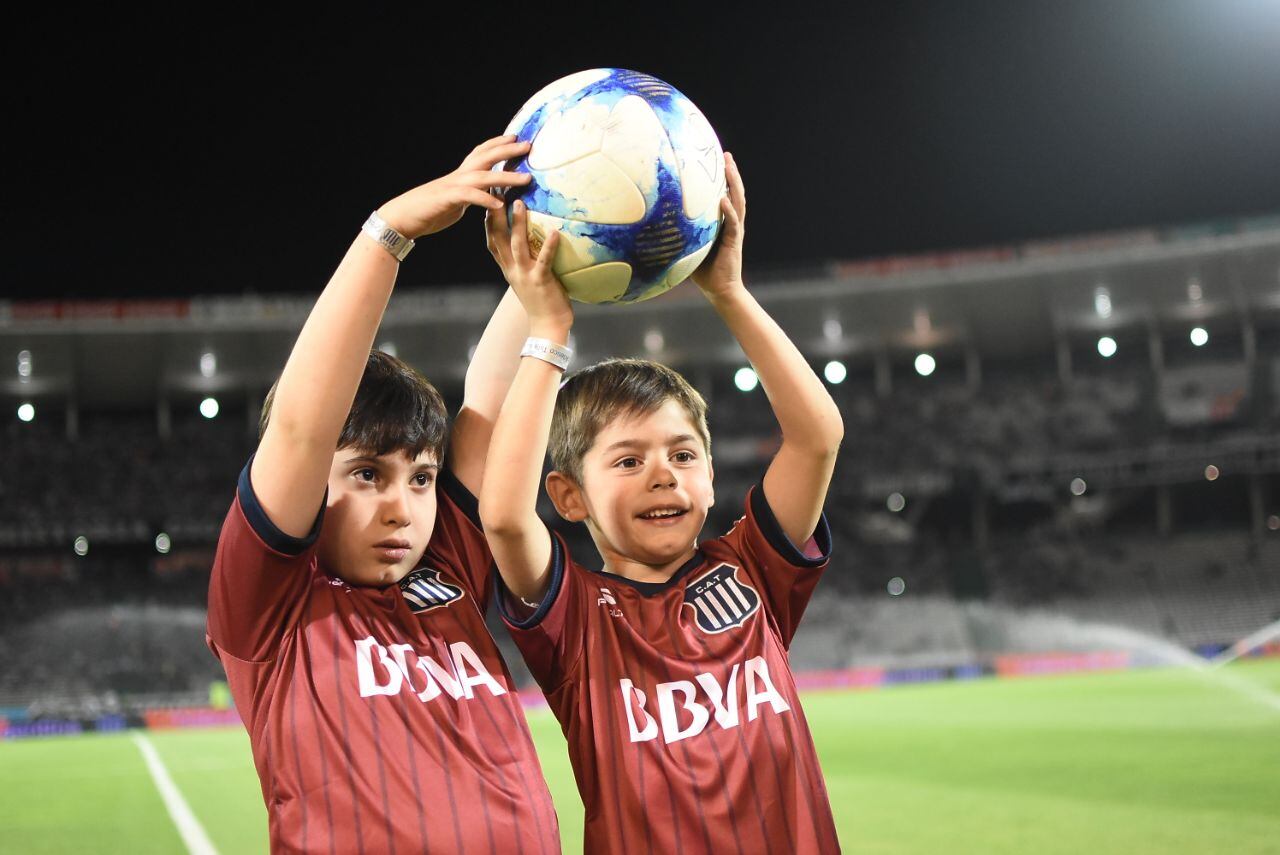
(381,720)
(684,726)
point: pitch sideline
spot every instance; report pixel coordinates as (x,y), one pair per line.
(192,832)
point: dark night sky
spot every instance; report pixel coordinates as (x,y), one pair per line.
(159,157)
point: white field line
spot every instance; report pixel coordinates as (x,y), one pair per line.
(193,834)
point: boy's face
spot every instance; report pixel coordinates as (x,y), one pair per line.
(380,515)
(646,487)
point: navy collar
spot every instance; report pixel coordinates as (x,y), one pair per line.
(652,589)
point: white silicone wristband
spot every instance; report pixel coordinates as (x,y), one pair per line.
(548,351)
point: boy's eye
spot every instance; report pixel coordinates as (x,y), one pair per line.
(684,456)
(629,462)
(366,474)
(422,479)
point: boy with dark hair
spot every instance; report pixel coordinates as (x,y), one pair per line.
(348,594)
(667,668)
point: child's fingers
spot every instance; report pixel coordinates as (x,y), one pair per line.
(487,158)
(489,236)
(494,142)
(519,242)
(548,253)
(486,178)
(476,196)
(737,190)
(496,225)
(732,219)
(495,234)
(477,154)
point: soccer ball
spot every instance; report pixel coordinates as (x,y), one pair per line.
(630,173)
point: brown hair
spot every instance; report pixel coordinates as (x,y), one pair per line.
(595,396)
(395,409)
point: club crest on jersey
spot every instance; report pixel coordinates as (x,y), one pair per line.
(720,601)
(424,589)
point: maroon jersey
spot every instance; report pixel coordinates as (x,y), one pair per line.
(381,719)
(684,726)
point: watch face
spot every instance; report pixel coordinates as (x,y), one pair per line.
(395,243)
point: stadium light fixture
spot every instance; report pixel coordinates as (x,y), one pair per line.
(1102,301)
(1211,473)
(1273,523)
(209,408)
(1107,346)
(163,543)
(81,546)
(24,364)
(897,586)
(389,348)
(1195,293)
(1199,336)
(832,330)
(208,364)
(835,372)
(27,412)
(745,379)
(654,341)
(896,502)
(925,364)
(1078,486)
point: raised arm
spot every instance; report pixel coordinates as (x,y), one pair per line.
(797,479)
(319,382)
(520,541)
(488,377)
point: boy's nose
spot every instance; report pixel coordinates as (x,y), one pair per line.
(395,508)
(663,476)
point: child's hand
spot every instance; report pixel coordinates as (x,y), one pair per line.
(540,292)
(438,204)
(721,273)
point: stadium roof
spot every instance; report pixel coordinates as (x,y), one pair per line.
(998,302)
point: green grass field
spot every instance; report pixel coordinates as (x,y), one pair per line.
(1150,761)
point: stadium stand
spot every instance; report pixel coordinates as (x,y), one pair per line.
(988,550)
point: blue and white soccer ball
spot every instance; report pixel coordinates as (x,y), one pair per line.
(630,173)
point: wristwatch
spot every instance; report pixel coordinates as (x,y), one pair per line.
(386,237)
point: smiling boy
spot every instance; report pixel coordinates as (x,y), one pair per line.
(667,668)
(348,592)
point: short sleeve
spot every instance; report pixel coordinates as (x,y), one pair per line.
(259,575)
(457,543)
(787,573)
(549,634)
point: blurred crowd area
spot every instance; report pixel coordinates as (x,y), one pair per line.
(959,531)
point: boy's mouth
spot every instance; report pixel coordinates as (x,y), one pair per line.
(393,550)
(663,514)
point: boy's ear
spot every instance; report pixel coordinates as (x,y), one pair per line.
(566,496)
(711,470)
